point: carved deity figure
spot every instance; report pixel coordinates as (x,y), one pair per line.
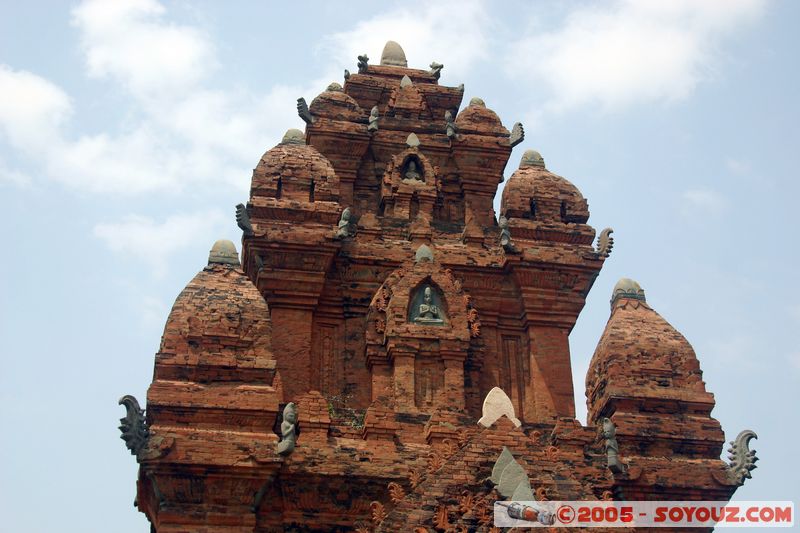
(374,116)
(428,312)
(288,430)
(344,224)
(505,235)
(411,172)
(612,447)
(450,125)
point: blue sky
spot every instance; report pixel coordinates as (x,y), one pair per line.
(128,131)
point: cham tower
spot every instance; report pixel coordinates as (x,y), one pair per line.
(390,354)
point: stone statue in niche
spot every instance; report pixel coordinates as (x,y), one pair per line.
(427,312)
(343,229)
(411,172)
(609,431)
(374,116)
(288,430)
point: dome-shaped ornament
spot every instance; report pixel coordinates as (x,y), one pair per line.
(293,136)
(531,158)
(223,253)
(627,288)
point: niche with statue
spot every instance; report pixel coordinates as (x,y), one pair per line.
(426,306)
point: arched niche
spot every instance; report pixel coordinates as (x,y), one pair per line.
(409,186)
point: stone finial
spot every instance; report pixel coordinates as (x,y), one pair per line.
(288,430)
(412,140)
(424,253)
(436,70)
(334,87)
(133,425)
(513,475)
(293,136)
(450,125)
(500,465)
(612,448)
(517,134)
(363,63)
(531,158)
(374,116)
(393,55)
(627,288)
(477,101)
(303,112)
(605,242)
(512,483)
(405,81)
(343,229)
(505,235)
(223,253)
(346,74)
(497,404)
(243,220)
(742,458)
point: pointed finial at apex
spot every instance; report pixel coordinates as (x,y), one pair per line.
(393,55)
(477,101)
(495,405)
(424,253)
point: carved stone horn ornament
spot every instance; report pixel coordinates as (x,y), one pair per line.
(133,425)
(742,458)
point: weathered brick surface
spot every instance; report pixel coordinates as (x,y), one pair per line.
(387,434)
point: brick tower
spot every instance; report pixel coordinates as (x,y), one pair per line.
(334,379)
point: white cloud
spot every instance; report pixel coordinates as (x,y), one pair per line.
(31,109)
(704,201)
(427,32)
(632,52)
(186,134)
(153,243)
(128,40)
